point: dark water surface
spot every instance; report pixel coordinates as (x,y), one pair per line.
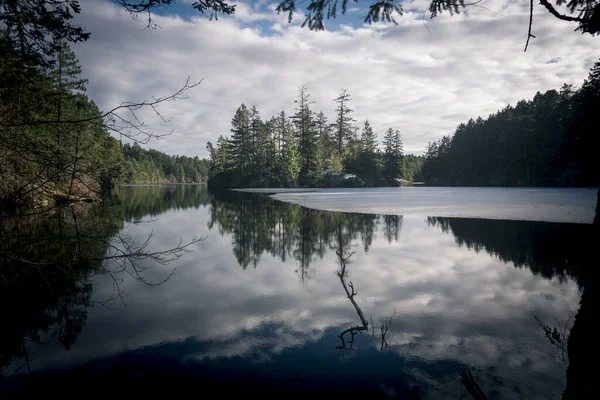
(261,305)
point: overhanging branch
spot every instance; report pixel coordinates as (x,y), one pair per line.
(558,15)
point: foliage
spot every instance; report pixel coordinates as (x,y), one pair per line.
(74,155)
(394,152)
(550,140)
(369,155)
(306,135)
(343,123)
(153,166)
(411,167)
(305,150)
(585,13)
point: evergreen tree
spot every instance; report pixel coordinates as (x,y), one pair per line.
(392,155)
(398,153)
(66,74)
(353,150)
(582,12)
(152,166)
(343,123)
(369,160)
(241,143)
(549,140)
(280,127)
(327,155)
(265,156)
(584,134)
(411,167)
(306,135)
(256,128)
(290,166)
(272,160)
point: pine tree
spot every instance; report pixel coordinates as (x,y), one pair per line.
(219,156)
(306,135)
(280,126)
(290,167)
(353,150)
(257,145)
(343,122)
(256,125)
(398,153)
(265,155)
(369,160)
(212,156)
(327,158)
(585,136)
(272,159)
(65,76)
(241,141)
(67,71)
(392,155)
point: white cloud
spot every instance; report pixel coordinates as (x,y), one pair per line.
(401,76)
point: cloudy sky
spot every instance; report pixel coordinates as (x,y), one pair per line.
(422,77)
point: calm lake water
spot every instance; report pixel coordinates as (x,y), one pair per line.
(261,304)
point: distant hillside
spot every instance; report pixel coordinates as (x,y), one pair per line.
(551,140)
(153,166)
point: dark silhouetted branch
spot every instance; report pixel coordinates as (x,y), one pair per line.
(471,385)
(529,35)
(129,126)
(558,336)
(553,11)
(350,293)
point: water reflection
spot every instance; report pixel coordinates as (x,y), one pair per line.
(149,201)
(552,251)
(46,261)
(260,226)
(461,293)
(49,262)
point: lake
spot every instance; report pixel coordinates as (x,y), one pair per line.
(280,299)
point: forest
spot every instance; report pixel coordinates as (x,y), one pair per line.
(55,143)
(305,149)
(153,166)
(546,141)
(51,141)
(550,140)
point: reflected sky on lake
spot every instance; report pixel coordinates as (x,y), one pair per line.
(454,300)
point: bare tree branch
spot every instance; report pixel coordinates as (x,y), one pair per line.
(132,128)
(529,35)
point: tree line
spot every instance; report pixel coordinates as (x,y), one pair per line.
(153,166)
(305,149)
(51,136)
(550,140)
(55,144)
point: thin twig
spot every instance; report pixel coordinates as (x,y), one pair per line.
(529,35)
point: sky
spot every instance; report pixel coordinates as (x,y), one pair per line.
(423,76)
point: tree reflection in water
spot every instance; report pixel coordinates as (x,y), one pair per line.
(48,264)
(553,251)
